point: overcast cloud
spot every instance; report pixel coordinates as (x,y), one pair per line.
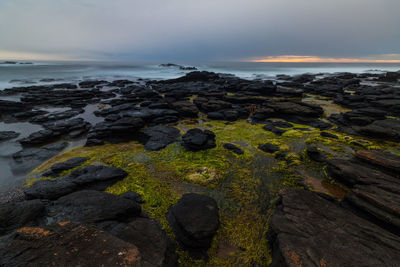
(188,30)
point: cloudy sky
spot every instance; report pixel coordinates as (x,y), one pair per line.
(193,30)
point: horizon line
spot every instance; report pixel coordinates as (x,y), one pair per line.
(317,59)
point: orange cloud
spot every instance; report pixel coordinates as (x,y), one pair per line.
(390,58)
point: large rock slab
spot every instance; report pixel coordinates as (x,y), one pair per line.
(66,244)
(89,177)
(385,161)
(18,214)
(89,206)
(374,193)
(195,221)
(309,230)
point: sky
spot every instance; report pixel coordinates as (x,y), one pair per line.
(206,30)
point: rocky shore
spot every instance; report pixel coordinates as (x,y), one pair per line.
(206,170)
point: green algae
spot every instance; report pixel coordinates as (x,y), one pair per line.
(244,186)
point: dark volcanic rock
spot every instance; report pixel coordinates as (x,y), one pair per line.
(152,242)
(10,107)
(271,128)
(66,244)
(186,109)
(280,124)
(89,206)
(315,154)
(158,137)
(58,168)
(374,193)
(214,105)
(122,130)
(195,221)
(269,148)
(195,76)
(293,108)
(308,230)
(233,148)
(329,135)
(90,177)
(385,161)
(29,158)
(18,214)
(70,129)
(7,135)
(56,116)
(390,77)
(197,139)
(382,129)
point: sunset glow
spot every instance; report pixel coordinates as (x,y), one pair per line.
(392,58)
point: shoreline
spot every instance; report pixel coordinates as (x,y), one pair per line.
(260,147)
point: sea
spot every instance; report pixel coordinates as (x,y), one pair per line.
(48,72)
(51,72)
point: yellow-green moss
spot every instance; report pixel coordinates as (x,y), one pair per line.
(244,186)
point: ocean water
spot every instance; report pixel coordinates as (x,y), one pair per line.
(57,72)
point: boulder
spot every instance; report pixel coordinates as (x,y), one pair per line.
(195,221)
(268,148)
(315,154)
(306,229)
(197,139)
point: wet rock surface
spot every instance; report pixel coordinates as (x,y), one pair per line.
(29,158)
(158,137)
(195,221)
(7,135)
(309,230)
(58,168)
(89,177)
(374,194)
